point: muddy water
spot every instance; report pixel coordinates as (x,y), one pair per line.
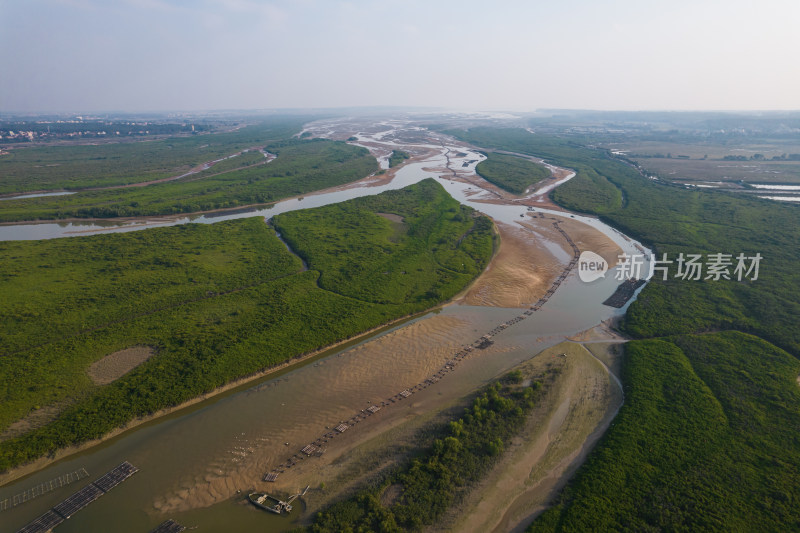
(198,465)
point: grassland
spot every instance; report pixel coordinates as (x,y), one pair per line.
(511,173)
(106,164)
(702,443)
(301,167)
(216,302)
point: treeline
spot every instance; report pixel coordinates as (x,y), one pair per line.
(216,302)
(762,157)
(442,474)
(514,174)
(301,167)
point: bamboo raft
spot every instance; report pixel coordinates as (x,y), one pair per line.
(624,292)
(169,526)
(43,488)
(80,499)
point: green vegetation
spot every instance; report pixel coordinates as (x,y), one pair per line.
(706,440)
(511,173)
(301,167)
(428,257)
(217,302)
(397,157)
(440,475)
(81,166)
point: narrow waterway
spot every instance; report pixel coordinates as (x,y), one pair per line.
(198,464)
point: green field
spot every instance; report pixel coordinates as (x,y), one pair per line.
(706,440)
(301,167)
(80,166)
(512,173)
(216,302)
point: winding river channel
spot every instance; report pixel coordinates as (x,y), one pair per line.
(196,465)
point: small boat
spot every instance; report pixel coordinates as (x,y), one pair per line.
(269,503)
(262,500)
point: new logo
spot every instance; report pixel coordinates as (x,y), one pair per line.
(591,267)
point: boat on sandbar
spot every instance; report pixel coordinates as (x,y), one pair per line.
(264,501)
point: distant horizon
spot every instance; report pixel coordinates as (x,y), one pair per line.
(385,109)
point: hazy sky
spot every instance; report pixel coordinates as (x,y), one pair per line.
(136,55)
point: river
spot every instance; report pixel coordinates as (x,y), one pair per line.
(198,464)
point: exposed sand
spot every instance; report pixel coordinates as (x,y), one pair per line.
(392,217)
(371,371)
(559,434)
(524,268)
(520,273)
(35,419)
(113,366)
(585,237)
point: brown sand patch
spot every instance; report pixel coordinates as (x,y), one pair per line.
(391,494)
(113,366)
(587,238)
(33,420)
(520,273)
(392,217)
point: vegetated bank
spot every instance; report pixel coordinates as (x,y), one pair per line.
(216,302)
(397,157)
(76,166)
(302,166)
(511,173)
(419,492)
(706,440)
